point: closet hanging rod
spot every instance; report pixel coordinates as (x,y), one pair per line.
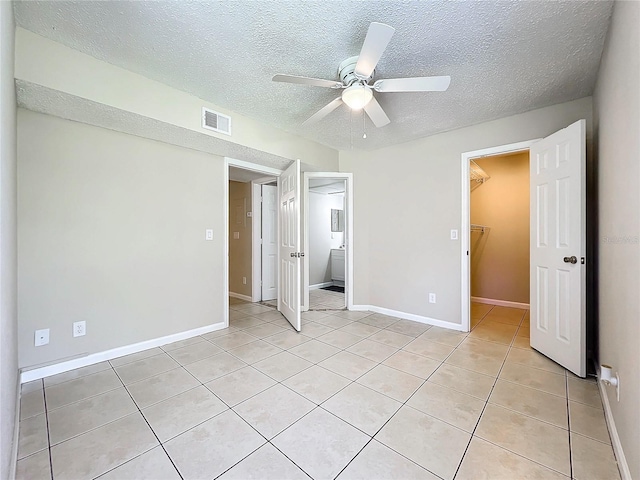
(478,228)
(476,173)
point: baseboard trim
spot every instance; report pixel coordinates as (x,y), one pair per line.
(47,371)
(408,316)
(500,303)
(240,296)
(623,466)
(317,286)
(16,432)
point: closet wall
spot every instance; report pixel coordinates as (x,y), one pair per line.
(500,255)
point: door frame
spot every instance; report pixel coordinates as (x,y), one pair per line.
(348,234)
(254,167)
(465,230)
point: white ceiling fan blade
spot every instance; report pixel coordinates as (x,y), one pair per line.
(315,82)
(375,43)
(415,84)
(376,114)
(323,112)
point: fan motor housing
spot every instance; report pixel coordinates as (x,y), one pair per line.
(346,72)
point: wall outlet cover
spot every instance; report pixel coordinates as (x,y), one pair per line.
(432,298)
(41,337)
(79,328)
(208,234)
(454,234)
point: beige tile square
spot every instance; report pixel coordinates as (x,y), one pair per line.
(264,330)
(247,322)
(214,367)
(333,321)
(588,421)
(100,450)
(535,378)
(314,351)
(412,363)
(431,443)
(426,348)
(339,339)
(80,417)
(521,342)
(475,362)
(255,351)
(536,440)
(455,408)
(178,414)
(524,331)
(31,404)
(528,401)
(485,461)
(376,461)
(266,463)
(391,382)
(393,339)
(409,327)
(236,315)
(273,410)
(314,315)
(156,389)
(182,343)
(193,353)
(223,332)
(240,385)
(34,467)
(283,323)
(584,391)
(362,407)
(316,383)
(379,320)
(374,351)
(463,380)
(252,308)
(312,329)
(321,444)
(212,447)
(507,315)
(145,368)
(233,340)
(494,332)
(283,365)
(134,357)
(479,310)
(287,339)
(76,373)
(531,358)
(272,316)
(445,336)
(352,315)
(593,460)
(348,365)
(154,464)
(33,435)
(81,388)
(488,349)
(359,329)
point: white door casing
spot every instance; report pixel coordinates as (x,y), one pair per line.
(558,238)
(269,242)
(289,244)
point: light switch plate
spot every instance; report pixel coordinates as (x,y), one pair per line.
(454,234)
(208,234)
(41,337)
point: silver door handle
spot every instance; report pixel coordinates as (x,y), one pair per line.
(573,260)
(293,254)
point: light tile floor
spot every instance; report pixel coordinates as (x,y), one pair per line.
(355,395)
(320,299)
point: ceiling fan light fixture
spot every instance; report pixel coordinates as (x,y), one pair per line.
(357,96)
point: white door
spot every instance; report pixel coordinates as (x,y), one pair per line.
(269,242)
(289,249)
(558,245)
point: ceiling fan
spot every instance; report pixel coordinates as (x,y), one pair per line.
(357,72)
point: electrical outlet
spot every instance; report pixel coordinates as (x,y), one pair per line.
(208,234)
(244,280)
(79,328)
(432,298)
(41,337)
(236,235)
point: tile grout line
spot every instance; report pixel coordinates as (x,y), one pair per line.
(46,412)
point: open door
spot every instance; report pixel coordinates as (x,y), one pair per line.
(289,247)
(269,260)
(558,243)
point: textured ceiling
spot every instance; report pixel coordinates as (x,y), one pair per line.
(504,57)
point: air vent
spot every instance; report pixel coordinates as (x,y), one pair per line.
(216,121)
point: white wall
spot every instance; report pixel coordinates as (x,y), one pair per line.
(321,239)
(8,309)
(617,126)
(112,231)
(407,198)
(50,64)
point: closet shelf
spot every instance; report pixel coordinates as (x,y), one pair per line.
(478,228)
(477,174)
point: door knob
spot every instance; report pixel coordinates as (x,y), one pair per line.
(293,254)
(572,260)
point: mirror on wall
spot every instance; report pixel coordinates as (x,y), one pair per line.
(337,220)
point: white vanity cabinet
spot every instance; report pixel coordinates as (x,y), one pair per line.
(337,266)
